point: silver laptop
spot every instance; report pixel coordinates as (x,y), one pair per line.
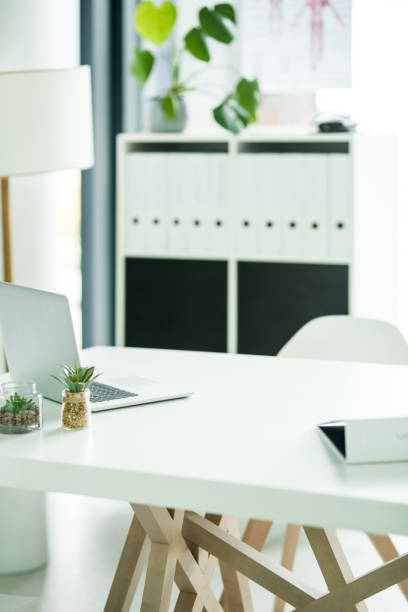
(38,338)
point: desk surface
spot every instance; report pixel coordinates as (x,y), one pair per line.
(245,443)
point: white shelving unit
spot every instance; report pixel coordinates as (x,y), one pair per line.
(323,200)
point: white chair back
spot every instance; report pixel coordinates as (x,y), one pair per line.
(346,338)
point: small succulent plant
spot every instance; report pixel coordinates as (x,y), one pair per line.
(17,403)
(75,378)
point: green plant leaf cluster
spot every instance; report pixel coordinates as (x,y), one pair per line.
(213,23)
(17,403)
(155,23)
(75,378)
(142,65)
(239,108)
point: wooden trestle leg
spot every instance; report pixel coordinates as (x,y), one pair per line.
(183,548)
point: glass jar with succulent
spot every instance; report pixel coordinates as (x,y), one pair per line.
(20,407)
(155,24)
(76,408)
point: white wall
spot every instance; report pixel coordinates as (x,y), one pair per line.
(379,100)
(39,34)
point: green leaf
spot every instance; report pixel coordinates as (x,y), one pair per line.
(168,104)
(76,378)
(197,45)
(231,115)
(142,65)
(247,95)
(155,23)
(213,25)
(226,10)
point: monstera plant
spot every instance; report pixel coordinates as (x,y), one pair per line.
(155,24)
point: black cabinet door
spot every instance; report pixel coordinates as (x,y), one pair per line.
(276,299)
(176,304)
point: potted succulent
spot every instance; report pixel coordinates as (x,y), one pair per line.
(168,111)
(20,410)
(76,408)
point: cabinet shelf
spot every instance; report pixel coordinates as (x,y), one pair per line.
(246,238)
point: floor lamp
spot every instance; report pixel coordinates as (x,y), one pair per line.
(45,125)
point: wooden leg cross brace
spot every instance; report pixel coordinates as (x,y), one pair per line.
(184,548)
(172,559)
(346,593)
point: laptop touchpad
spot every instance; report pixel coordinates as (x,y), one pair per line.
(130,382)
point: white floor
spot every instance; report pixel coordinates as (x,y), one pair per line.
(86,536)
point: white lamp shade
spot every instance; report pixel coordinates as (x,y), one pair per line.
(45,121)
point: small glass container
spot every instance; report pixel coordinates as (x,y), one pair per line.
(20,407)
(76,409)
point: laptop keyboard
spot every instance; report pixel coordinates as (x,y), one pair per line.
(105,393)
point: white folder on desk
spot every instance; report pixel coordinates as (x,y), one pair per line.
(178,202)
(248,204)
(135,202)
(368,440)
(270,203)
(340,204)
(197,221)
(218,202)
(315,205)
(294,199)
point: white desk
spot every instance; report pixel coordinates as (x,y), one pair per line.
(245,443)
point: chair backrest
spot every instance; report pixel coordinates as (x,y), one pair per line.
(346,338)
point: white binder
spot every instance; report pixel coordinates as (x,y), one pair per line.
(136,223)
(270,202)
(218,203)
(340,205)
(196,219)
(293,210)
(248,203)
(155,166)
(315,205)
(368,440)
(178,202)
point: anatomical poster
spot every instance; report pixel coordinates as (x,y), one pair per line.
(293,45)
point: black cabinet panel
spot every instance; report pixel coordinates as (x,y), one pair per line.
(276,299)
(176,304)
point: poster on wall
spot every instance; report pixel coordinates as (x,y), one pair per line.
(296,45)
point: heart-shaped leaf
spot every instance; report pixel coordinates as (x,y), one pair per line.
(155,23)
(231,115)
(226,10)
(142,65)
(170,105)
(197,45)
(213,25)
(248,96)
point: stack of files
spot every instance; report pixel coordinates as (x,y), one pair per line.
(293,188)
(136,222)
(305,211)
(218,203)
(340,205)
(196,204)
(179,212)
(155,209)
(248,204)
(146,202)
(270,204)
(314,218)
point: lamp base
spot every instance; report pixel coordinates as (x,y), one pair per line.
(23,532)
(5,218)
